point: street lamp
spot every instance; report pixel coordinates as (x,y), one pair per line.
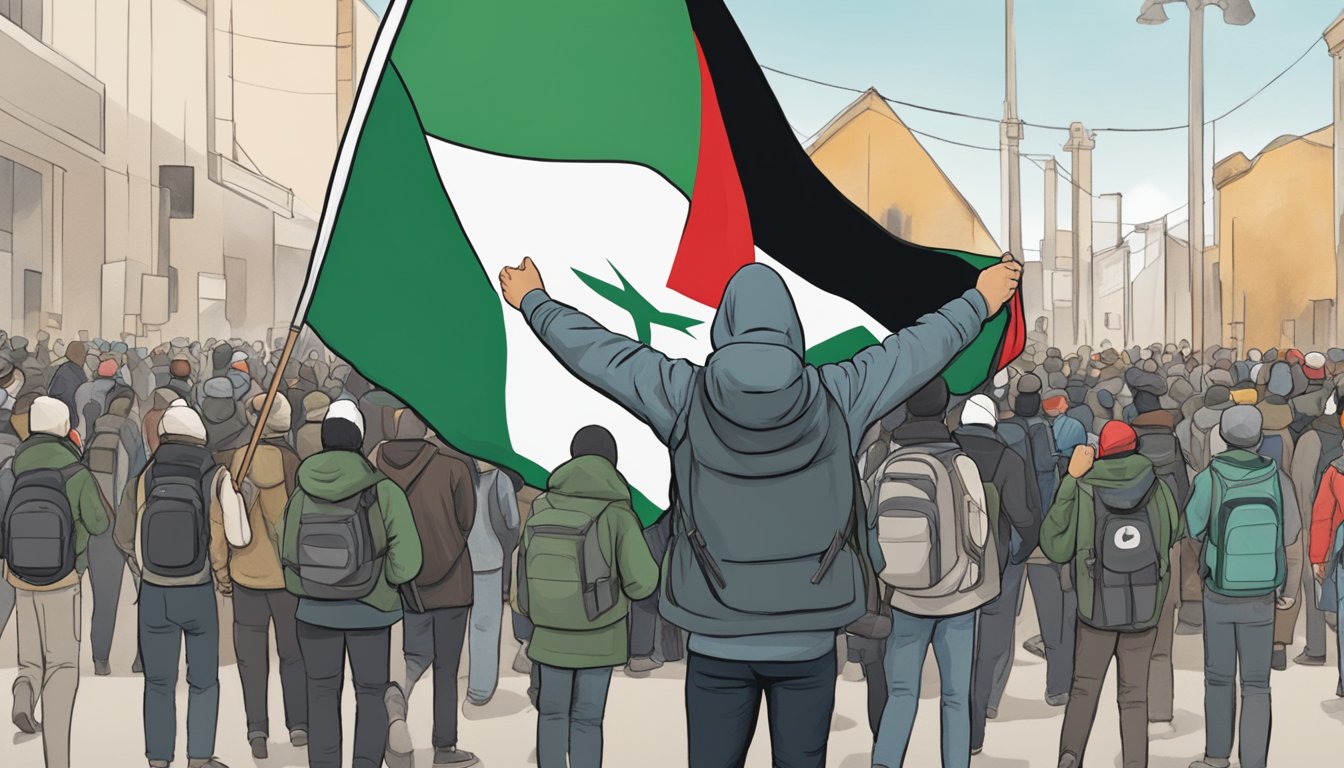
(1238,13)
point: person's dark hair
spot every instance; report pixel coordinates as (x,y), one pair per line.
(341,435)
(930,402)
(594,440)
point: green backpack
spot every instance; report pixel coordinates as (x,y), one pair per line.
(565,579)
(1244,554)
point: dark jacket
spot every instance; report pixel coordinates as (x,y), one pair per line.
(64,385)
(1005,470)
(443,503)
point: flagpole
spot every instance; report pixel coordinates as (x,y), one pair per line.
(340,175)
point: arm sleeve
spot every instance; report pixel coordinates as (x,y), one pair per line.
(1059,528)
(233,511)
(638,571)
(123,526)
(508,502)
(464,499)
(219,537)
(1197,508)
(404,556)
(882,376)
(1025,518)
(95,514)
(1322,518)
(1292,515)
(638,377)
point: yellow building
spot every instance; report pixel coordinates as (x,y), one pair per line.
(1277,268)
(874,159)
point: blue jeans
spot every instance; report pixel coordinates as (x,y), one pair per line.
(953,641)
(1238,636)
(487,614)
(167,614)
(994,645)
(570,708)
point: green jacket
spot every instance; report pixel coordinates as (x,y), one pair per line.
(335,475)
(590,483)
(91,512)
(1068,532)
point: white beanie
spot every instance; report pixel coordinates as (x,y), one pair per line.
(49,416)
(1314,360)
(181,420)
(979,410)
(347,410)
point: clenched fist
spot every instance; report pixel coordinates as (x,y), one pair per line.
(1081,461)
(517,282)
(998,283)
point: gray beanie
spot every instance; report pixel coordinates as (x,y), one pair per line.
(1240,426)
(219,387)
(1280,380)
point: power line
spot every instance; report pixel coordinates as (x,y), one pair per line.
(283,90)
(262,39)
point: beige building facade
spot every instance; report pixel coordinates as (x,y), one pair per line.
(163,162)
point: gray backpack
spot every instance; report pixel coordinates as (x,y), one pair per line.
(933,528)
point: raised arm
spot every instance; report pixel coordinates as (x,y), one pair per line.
(639,378)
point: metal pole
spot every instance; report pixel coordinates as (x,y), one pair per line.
(1196,172)
(266,404)
(1011,129)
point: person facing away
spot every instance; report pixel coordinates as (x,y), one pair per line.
(1112,523)
(259,596)
(579,615)
(438,485)
(226,426)
(348,543)
(494,535)
(771,442)
(52,507)
(1244,510)
(1327,547)
(934,590)
(67,378)
(1005,477)
(308,437)
(175,525)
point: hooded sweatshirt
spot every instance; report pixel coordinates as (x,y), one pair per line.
(271,478)
(332,476)
(1235,465)
(762,423)
(1003,469)
(1069,530)
(593,482)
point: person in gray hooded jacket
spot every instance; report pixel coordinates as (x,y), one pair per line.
(763,446)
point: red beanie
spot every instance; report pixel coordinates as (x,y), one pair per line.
(1116,437)
(1295,356)
(107,369)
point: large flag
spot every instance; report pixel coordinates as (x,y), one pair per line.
(636,152)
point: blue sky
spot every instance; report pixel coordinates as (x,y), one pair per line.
(1084,60)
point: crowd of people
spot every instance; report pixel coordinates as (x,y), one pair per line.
(825,521)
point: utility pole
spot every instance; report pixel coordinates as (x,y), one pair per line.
(345,63)
(1334,37)
(1080,146)
(1010,138)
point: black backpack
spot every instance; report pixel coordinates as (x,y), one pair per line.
(337,559)
(39,526)
(1160,446)
(1125,560)
(175,523)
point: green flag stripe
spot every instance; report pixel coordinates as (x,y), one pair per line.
(536,80)
(441,351)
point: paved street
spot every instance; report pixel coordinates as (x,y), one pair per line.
(645,724)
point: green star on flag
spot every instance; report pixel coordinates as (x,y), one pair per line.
(642,312)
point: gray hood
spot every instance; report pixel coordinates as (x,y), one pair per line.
(765,407)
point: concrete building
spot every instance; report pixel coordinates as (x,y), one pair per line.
(1276,252)
(874,159)
(162,162)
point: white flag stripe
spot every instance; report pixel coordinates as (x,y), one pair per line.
(573,215)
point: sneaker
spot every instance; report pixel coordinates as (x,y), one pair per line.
(22,714)
(159,764)
(1057,700)
(991,713)
(642,665)
(101,668)
(1306,660)
(1068,760)
(521,664)
(398,735)
(474,701)
(455,757)
(298,738)
(1035,646)
(1211,762)
(976,750)
(1279,661)
(206,762)
(258,744)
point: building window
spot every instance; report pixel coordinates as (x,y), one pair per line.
(27,14)
(1112,321)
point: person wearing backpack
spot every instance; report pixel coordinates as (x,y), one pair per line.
(175,525)
(494,535)
(1018,523)
(1278,415)
(770,442)
(439,486)
(1112,523)
(51,507)
(259,596)
(1327,548)
(582,559)
(1244,509)
(348,543)
(940,564)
